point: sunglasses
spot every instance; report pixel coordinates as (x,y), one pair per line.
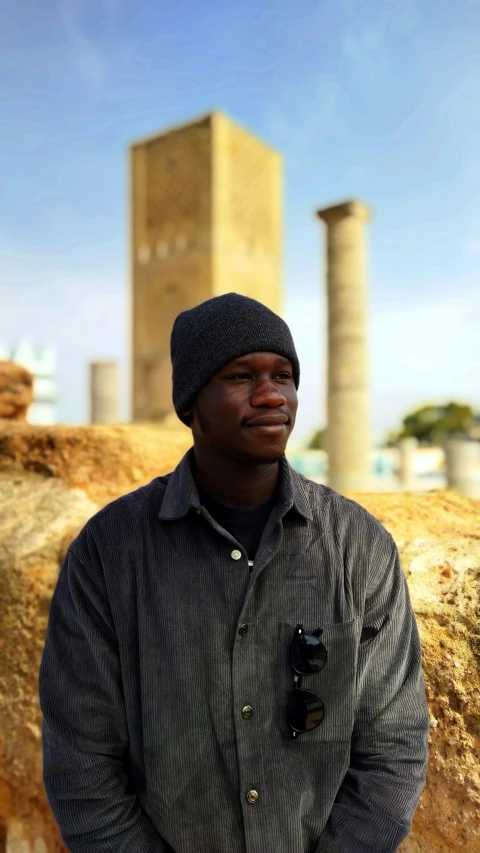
(305,710)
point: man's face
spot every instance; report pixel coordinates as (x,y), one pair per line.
(247,410)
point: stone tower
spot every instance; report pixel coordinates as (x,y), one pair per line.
(348,431)
(206,202)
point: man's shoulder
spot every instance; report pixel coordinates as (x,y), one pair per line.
(340,513)
(135,502)
(121,519)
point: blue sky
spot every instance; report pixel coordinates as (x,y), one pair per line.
(378,100)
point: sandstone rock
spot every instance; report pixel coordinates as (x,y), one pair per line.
(447,817)
(35,514)
(52,479)
(16,391)
(103,461)
(438,536)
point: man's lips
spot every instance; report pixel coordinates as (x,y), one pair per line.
(268,420)
(268,423)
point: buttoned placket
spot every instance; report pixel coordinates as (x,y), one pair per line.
(242,665)
(236,554)
(253,784)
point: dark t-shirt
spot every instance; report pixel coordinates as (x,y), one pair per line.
(246,525)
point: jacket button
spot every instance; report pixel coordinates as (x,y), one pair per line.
(247,711)
(236,555)
(252,796)
(243,629)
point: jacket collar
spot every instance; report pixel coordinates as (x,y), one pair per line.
(181,493)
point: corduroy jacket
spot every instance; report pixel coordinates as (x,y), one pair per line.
(165,678)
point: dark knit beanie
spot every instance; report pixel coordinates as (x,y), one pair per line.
(215,332)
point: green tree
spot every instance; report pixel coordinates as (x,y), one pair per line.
(431,424)
(318,440)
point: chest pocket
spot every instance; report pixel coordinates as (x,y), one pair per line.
(334,684)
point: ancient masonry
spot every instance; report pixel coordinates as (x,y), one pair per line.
(461,463)
(206,202)
(348,433)
(104,392)
(42,365)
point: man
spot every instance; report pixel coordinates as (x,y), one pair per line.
(231,663)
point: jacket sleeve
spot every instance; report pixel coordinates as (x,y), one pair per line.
(376,802)
(84,730)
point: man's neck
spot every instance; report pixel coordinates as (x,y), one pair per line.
(233,483)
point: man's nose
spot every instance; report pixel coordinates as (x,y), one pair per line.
(267,393)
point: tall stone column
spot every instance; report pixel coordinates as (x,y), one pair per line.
(348,430)
(461,466)
(104,392)
(406,450)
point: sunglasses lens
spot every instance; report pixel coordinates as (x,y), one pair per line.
(305,710)
(307,654)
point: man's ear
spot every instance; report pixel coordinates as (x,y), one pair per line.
(188,416)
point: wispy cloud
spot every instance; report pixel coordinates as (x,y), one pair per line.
(292,128)
(89,54)
(363,58)
(369,34)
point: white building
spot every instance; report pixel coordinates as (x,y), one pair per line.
(42,364)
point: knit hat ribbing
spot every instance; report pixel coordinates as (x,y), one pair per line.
(213,333)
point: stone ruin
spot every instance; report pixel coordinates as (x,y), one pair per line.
(16,391)
(52,479)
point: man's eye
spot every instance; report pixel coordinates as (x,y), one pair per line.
(238,376)
(284,375)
